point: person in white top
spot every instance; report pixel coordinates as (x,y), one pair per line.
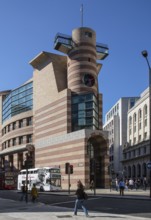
(131,183)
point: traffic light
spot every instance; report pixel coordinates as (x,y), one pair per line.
(71,169)
(29,162)
(67,168)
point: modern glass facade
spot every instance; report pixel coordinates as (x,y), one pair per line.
(18,101)
(84,111)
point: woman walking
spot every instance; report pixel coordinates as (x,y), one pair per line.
(80,199)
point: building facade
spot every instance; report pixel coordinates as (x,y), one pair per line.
(56,116)
(116,125)
(137,149)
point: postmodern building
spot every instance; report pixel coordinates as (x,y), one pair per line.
(116,125)
(56,116)
(136,151)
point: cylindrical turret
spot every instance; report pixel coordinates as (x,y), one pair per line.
(82,70)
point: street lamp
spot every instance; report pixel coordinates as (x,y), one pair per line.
(145,55)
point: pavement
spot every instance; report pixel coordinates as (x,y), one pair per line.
(16,210)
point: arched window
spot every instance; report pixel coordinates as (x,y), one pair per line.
(130,125)
(145,115)
(133,171)
(144,170)
(129,172)
(134,121)
(139,119)
(138,170)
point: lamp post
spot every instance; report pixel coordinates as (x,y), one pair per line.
(145,55)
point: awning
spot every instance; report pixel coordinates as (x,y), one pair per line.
(17,149)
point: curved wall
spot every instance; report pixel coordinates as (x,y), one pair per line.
(82,60)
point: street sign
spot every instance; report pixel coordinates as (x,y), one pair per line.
(149,165)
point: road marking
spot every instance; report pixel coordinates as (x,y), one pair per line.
(59,203)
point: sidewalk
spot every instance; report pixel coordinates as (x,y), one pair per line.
(13,210)
(128,194)
(132,194)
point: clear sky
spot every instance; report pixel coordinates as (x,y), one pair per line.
(28,27)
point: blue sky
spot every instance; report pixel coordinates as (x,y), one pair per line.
(28,27)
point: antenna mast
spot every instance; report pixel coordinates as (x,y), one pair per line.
(81,9)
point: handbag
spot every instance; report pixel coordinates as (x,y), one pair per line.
(85,195)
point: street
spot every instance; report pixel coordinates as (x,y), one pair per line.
(98,203)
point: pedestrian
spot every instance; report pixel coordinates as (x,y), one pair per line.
(23,191)
(121,187)
(145,183)
(131,183)
(80,199)
(92,185)
(116,185)
(34,193)
(136,184)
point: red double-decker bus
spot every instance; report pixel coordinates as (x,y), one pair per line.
(8,180)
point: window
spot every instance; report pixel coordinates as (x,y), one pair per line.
(8,128)
(140,114)
(145,135)
(130,131)
(138,151)
(14,141)
(134,117)
(29,138)
(18,101)
(20,123)
(14,125)
(145,115)
(8,143)
(134,153)
(140,125)
(21,140)
(84,112)
(130,120)
(145,110)
(88,34)
(29,121)
(144,150)
(145,122)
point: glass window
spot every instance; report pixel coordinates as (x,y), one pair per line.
(29,121)
(81,114)
(84,112)
(14,141)
(88,34)
(29,138)
(81,106)
(20,123)
(21,140)
(14,125)
(81,122)
(19,100)
(144,150)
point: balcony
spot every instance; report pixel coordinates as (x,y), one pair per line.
(63,43)
(102,51)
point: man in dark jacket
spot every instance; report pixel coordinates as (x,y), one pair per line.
(80,199)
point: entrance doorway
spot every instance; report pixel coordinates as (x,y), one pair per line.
(97,151)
